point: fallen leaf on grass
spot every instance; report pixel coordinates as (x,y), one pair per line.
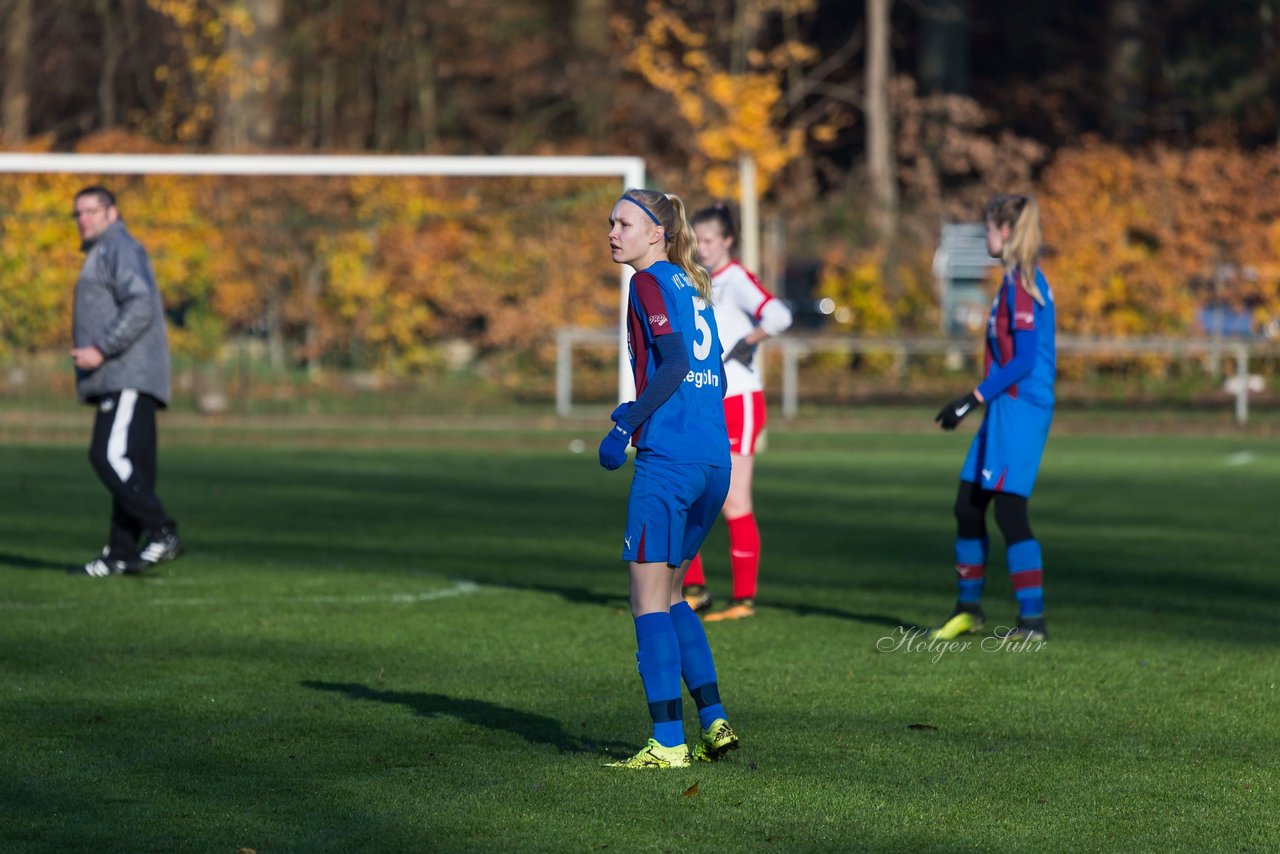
(691,791)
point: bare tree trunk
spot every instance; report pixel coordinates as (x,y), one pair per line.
(17,96)
(308,118)
(944,52)
(1270,26)
(327,96)
(112,50)
(247,111)
(388,63)
(741,38)
(1125,69)
(275,326)
(328,102)
(592,69)
(361,117)
(428,108)
(774,267)
(790,33)
(313,283)
(140,74)
(880,159)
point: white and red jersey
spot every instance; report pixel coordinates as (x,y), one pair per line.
(741,304)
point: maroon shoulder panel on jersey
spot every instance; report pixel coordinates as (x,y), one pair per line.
(1024,308)
(649,295)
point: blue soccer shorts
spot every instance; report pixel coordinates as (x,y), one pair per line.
(671,509)
(1005,454)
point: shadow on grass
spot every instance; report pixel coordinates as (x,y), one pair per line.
(621,601)
(8,559)
(839,614)
(577,595)
(535,729)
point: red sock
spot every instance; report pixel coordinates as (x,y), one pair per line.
(744,555)
(694,574)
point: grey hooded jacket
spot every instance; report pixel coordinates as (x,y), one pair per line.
(118,310)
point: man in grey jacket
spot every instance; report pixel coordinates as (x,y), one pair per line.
(121,354)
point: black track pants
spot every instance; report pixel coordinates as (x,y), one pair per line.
(123,453)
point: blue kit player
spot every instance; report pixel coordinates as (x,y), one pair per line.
(682,467)
(1004,456)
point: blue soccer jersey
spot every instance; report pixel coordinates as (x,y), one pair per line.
(1015,310)
(1021,363)
(689,427)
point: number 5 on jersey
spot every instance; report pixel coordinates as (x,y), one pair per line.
(702,346)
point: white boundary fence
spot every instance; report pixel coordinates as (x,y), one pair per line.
(794,348)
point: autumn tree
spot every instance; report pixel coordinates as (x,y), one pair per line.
(1140,243)
(726,83)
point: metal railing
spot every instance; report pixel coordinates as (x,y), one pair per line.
(794,348)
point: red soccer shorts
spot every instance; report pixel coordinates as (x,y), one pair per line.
(745,418)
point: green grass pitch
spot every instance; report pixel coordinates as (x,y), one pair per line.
(413,650)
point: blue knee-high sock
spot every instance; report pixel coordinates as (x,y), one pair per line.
(1026,571)
(658,660)
(971,568)
(696,664)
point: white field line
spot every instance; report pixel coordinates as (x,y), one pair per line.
(460,588)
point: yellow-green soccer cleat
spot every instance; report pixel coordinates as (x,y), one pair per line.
(717,740)
(654,755)
(961,622)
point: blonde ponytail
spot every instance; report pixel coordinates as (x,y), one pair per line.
(682,249)
(1022,249)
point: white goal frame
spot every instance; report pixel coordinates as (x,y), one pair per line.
(631,170)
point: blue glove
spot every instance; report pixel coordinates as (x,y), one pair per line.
(621,411)
(613,448)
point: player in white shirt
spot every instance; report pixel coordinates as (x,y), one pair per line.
(746,314)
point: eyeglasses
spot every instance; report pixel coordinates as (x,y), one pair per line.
(86,212)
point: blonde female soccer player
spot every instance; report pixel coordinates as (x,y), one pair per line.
(681,468)
(1004,456)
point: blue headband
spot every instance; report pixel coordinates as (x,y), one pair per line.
(641,206)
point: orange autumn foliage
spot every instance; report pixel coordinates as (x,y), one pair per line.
(1140,241)
(731,113)
(349,272)
(378,274)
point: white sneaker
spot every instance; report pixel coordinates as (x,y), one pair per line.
(164,546)
(100,567)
